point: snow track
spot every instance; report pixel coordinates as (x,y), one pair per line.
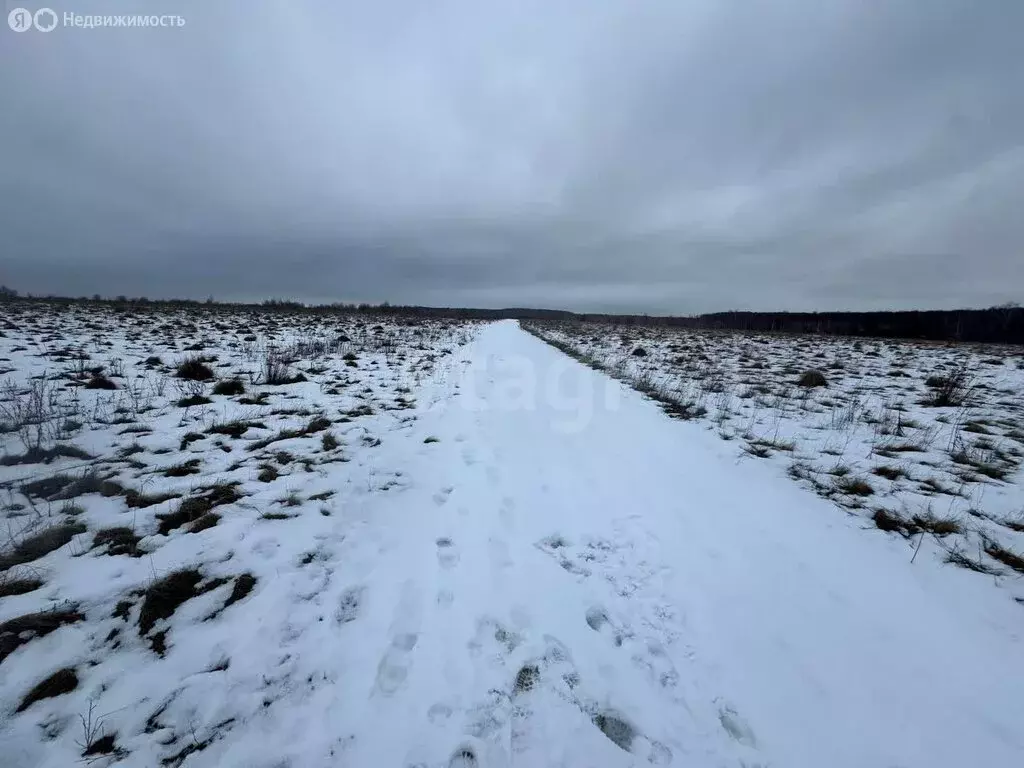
(571,578)
(616,590)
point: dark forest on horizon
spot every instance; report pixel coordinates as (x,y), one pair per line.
(995,325)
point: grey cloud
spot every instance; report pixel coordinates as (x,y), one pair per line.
(658,156)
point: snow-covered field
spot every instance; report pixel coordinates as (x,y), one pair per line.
(151,526)
(924,440)
(449,544)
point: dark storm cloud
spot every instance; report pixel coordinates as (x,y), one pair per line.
(662,156)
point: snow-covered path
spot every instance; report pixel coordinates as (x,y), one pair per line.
(571,578)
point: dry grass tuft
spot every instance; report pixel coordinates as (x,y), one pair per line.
(811,379)
(1005,556)
(40,544)
(118,541)
(164,596)
(194,509)
(194,369)
(17,631)
(229,387)
(60,682)
(854,486)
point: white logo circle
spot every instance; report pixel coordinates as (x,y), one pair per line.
(45,19)
(20,20)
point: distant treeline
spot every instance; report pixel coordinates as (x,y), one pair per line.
(143,303)
(1001,325)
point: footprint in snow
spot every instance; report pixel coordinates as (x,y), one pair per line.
(620,732)
(657,663)
(499,555)
(393,669)
(552,543)
(463,757)
(493,639)
(439,713)
(597,620)
(648,654)
(558,547)
(447,554)
(556,672)
(736,727)
(573,567)
(627,737)
(506,512)
(349,605)
(441,497)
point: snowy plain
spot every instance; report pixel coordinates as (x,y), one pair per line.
(921,439)
(499,557)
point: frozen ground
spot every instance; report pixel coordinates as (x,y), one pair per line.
(517,562)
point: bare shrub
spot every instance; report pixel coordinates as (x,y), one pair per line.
(276,368)
(36,413)
(952,391)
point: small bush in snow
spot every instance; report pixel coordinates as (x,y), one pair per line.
(229,387)
(950,391)
(887,521)
(854,486)
(275,368)
(812,378)
(194,369)
(99,381)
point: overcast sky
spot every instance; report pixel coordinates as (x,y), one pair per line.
(614,155)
